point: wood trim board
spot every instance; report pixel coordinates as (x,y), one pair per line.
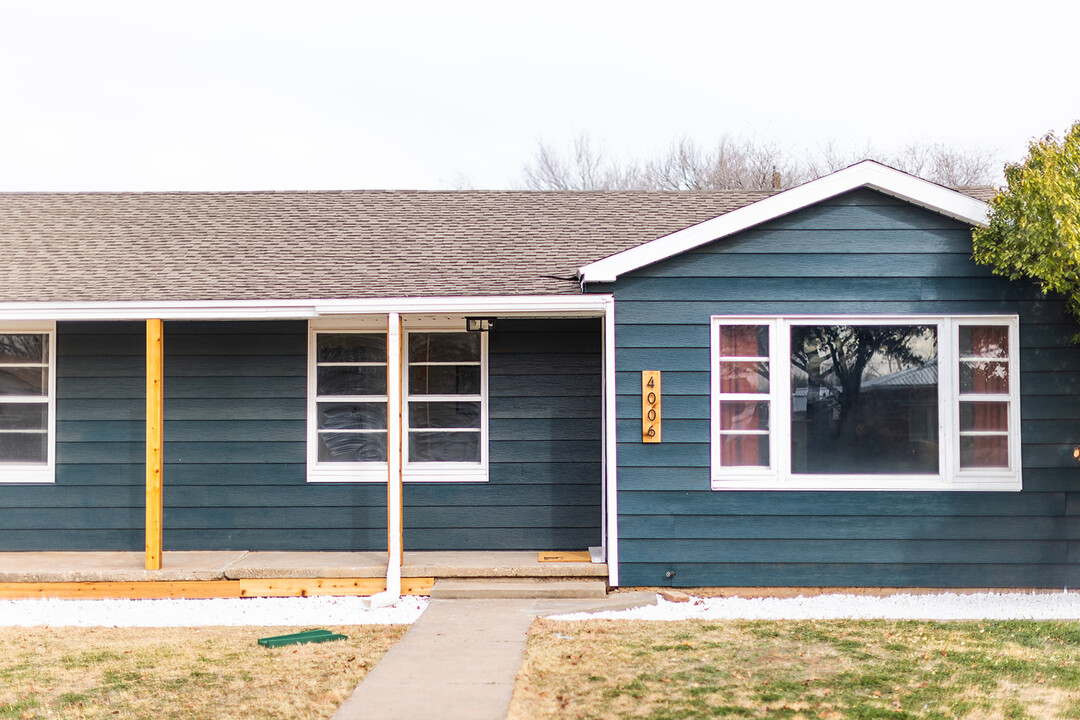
(211,589)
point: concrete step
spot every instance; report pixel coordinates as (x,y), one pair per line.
(514,588)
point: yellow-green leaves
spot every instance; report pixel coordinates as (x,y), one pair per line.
(1034,223)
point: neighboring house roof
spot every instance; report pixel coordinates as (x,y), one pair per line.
(866,174)
(261,246)
(925,375)
(100,247)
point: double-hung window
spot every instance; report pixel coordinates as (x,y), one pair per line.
(444,402)
(446,398)
(347,405)
(27,403)
(896,403)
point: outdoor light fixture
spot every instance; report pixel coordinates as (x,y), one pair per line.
(474,324)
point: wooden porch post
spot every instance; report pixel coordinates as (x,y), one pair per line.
(155,420)
(395,546)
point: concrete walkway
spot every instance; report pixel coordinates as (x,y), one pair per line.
(460,659)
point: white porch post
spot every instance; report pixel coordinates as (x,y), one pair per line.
(610,465)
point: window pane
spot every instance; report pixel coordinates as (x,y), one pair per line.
(352,416)
(444,379)
(991,341)
(744,415)
(24,381)
(352,447)
(17,416)
(984,451)
(984,416)
(444,447)
(864,399)
(351,347)
(444,415)
(444,347)
(23,448)
(744,341)
(23,349)
(744,450)
(346,380)
(744,377)
(986,376)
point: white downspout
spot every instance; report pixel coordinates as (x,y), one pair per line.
(393,464)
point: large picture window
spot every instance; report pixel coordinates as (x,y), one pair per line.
(27,407)
(867,403)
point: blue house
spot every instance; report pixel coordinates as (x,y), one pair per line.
(814,387)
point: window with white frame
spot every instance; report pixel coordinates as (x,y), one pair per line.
(347,405)
(445,422)
(444,392)
(27,404)
(865,403)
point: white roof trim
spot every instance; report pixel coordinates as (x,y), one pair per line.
(521,305)
(868,174)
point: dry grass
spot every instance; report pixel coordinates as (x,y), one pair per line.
(808,669)
(218,672)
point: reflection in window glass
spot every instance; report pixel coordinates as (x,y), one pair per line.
(445,405)
(350,398)
(743,376)
(984,421)
(864,399)
(444,447)
(24,398)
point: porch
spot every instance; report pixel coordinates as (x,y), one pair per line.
(234,574)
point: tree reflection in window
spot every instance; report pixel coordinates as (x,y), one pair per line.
(864,399)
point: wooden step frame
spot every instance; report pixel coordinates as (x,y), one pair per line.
(211,589)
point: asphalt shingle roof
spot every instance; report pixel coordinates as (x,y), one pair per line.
(306,245)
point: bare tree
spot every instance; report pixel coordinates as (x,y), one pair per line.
(585,169)
(741,164)
(732,165)
(944,165)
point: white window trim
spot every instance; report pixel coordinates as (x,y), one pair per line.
(443,471)
(373,472)
(950,477)
(331,472)
(33,473)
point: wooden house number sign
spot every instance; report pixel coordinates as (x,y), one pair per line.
(650,406)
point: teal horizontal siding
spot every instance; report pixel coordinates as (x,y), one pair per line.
(857,574)
(847,527)
(859,254)
(235,433)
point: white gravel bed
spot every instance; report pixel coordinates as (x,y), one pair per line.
(945,606)
(292,611)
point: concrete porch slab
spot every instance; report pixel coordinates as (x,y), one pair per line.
(494,564)
(282,564)
(42,567)
(463,564)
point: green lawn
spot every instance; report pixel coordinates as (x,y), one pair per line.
(803,669)
(186,673)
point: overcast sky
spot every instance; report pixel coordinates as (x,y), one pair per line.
(342,95)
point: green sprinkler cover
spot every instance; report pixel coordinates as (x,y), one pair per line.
(301,637)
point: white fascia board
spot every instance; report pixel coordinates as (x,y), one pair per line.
(866,174)
(520,305)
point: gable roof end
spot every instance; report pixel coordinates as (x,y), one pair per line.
(866,174)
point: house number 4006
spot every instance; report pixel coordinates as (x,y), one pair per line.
(650,406)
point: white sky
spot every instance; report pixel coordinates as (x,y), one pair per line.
(309,94)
